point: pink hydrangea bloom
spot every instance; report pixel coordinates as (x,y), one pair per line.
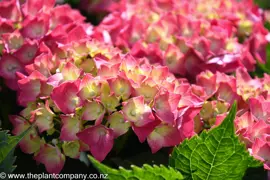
(26,26)
(188,36)
(76,86)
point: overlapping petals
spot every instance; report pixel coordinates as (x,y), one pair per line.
(26,27)
(188,36)
(81,93)
(75,99)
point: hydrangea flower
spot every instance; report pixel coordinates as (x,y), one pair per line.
(252,121)
(82,91)
(94,94)
(28,29)
(188,36)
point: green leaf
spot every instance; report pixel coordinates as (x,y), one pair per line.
(7,146)
(72,2)
(263,68)
(147,172)
(216,154)
(265,4)
(267,64)
(267,26)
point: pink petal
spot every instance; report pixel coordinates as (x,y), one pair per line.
(65,98)
(31,142)
(143,131)
(30,87)
(51,157)
(165,106)
(202,47)
(108,71)
(226,92)
(186,122)
(225,63)
(148,89)
(192,62)
(219,119)
(118,124)
(257,130)
(199,91)
(27,52)
(10,10)
(59,15)
(189,100)
(174,60)
(248,60)
(43,117)
(259,108)
(244,122)
(19,123)
(45,63)
(207,80)
(93,111)
(242,76)
(121,87)
(70,72)
(55,80)
(37,27)
(261,151)
(77,34)
(71,126)
(182,44)
(100,140)
(159,73)
(9,65)
(137,112)
(13,41)
(6,27)
(92,87)
(32,7)
(163,136)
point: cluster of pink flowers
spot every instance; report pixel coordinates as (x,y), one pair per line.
(34,27)
(94,96)
(253,117)
(82,94)
(189,36)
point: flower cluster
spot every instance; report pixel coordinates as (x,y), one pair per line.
(189,36)
(81,93)
(95,95)
(31,28)
(253,117)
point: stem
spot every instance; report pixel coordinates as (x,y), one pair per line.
(57,120)
(56,130)
(107,124)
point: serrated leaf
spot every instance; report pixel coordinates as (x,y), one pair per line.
(147,172)
(216,154)
(7,146)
